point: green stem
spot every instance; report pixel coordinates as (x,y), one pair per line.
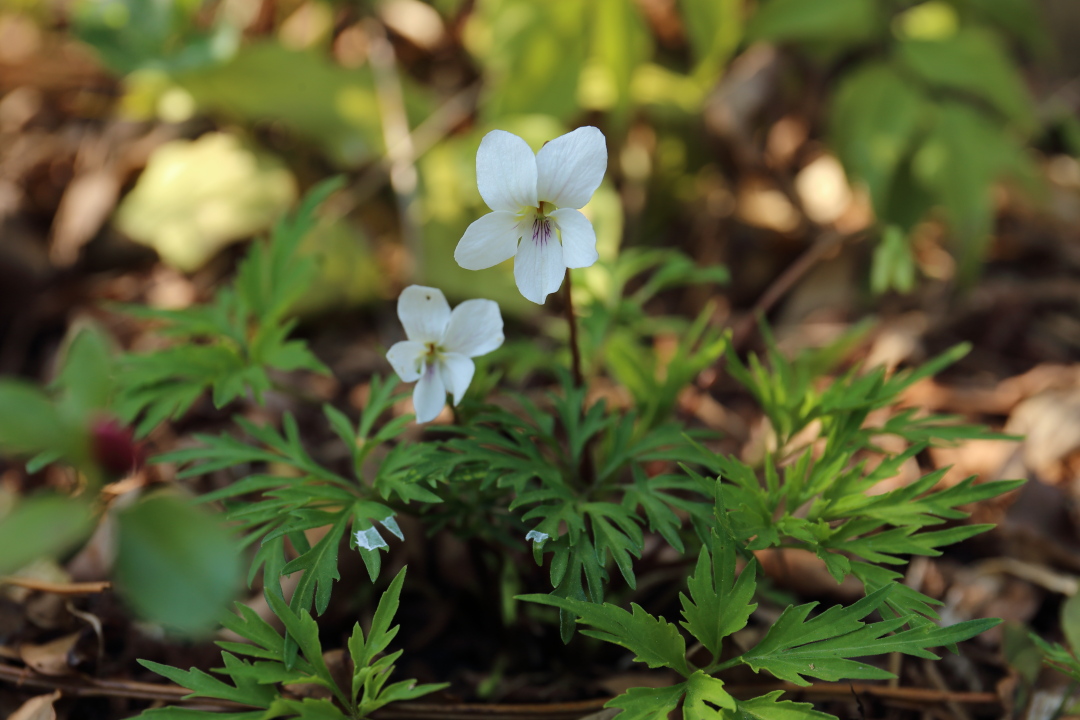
(717,667)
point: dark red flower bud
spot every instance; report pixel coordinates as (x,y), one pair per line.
(114,448)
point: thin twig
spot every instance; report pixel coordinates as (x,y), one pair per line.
(75,588)
(825,243)
(77,686)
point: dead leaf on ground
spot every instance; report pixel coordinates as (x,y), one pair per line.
(84,208)
(51,658)
(1050,422)
(37,708)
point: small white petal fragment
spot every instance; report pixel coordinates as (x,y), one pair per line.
(506,172)
(391,524)
(457,372)
(578,238)
(370,539)
(407,359)
(429,395)
(536,536)
(539,267)
(488,241)
(570,168)
(423,312)
(475,328)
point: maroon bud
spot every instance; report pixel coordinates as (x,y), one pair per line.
(114,448)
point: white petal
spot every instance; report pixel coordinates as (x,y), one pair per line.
(429,395)
(488,241)
(578,238)
(407,358)
(506,172)
(539,268)
(456,372)
(424,312)
(475,328)
(570,167)
(536,536)
(391,524)
(370,539)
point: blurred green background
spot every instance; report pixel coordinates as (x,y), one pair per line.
(909,127)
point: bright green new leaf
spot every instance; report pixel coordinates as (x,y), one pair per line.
(201,684)
(821,647)
(719,604)
(705,695)
(175,564)
(654,641)
(647,703)
(320,566)
(362,650)
(770,707)
(42,526)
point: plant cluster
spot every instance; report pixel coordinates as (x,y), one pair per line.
(585,483)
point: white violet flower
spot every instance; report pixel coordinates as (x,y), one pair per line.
(535,201)
(440,344)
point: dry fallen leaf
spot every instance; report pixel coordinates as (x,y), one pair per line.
(37,708)
(51,658)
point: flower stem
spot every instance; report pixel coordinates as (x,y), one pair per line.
(575,349)
(586,467)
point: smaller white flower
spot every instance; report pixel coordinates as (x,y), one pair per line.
(440,344)
(536,536)
(536,202)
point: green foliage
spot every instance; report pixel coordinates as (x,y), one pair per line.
(579,475)
(797,20)
(30,423)
(935,120)
(175,564)
(714,29)
(820,501)
(134,35)
(617,330)
(796,646)
(42,526)
(1061,658)
(56,423)
(254,683)
(229,345)
(286,493)
(719,604)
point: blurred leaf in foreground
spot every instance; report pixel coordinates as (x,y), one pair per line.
(333,107)
(176,565)
(42,526)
